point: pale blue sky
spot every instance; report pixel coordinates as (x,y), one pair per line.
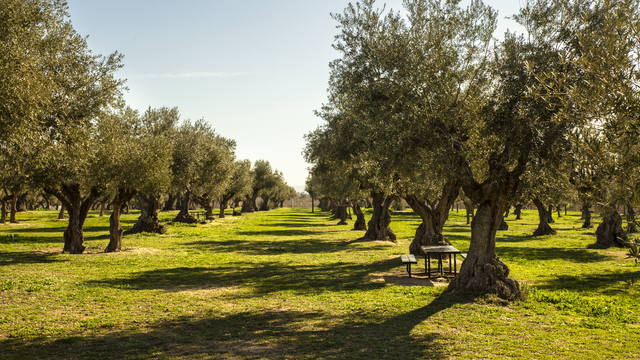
(256,70)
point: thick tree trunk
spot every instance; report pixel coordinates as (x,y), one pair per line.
(586,216)
(184,216)
(103,205)
(78,208)
(518,211)
(550,215)
(434,216)
(148,220)
(482,270)
(115,229)
(341,213)
(468,206)
(543,216)
(61,213)
(3,213)
(610,233)
(265,204)
(14,205)
(170,204)
(558,207)
(360,223)
(379,224)
(207,205)
(249,204)
(631,227)
(503,225)
(223,207)
(324,204)
(21,203)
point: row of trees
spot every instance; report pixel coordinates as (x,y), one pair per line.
(65,130)
(425,105)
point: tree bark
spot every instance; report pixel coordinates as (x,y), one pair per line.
(610,233)
(340,212)
(265,204)
(148,220)
(120,201)
(13,202)
(184,216)
(543,216)
(379,224)
(503,225)
(550,214)
(61,213)
(170,204)
(586,216)
(360,223)
(21,202)
(482,270)
(77,207)
(223,207)
(249,204)
(207,205)
(518,211)
(3,213)
(631,227)
(434,215)
(468,206)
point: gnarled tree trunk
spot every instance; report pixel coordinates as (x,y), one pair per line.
(518,211)
(379,224)
(550,214)
(360,223)
(115,229)
(610,233)
(586,216)
(468,206)
(184,216)
(78,208)
(434,216)
(3,206)
(207,205)
(14,207)
(170,204)
(631,227)
(61,213)
(148,220)
(482,270)
(249,204)
(543,216)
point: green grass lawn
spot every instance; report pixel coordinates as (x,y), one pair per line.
(291,284)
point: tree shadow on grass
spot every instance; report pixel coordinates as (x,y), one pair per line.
(541,254)
(15,258)
(602,283)
(261,277)
(288,232)
(273,333)
(270,247)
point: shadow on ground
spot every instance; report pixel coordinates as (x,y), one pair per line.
(261,278)
(270,333)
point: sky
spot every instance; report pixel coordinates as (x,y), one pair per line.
(254,69)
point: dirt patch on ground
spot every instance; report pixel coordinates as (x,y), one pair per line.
(402,278)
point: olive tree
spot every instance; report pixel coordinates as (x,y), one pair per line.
(131,160)
(71,88)
(202,163)
(239,184)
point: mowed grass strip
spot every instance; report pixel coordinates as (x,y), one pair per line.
(293,285)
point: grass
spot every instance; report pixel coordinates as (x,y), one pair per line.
(291,284)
